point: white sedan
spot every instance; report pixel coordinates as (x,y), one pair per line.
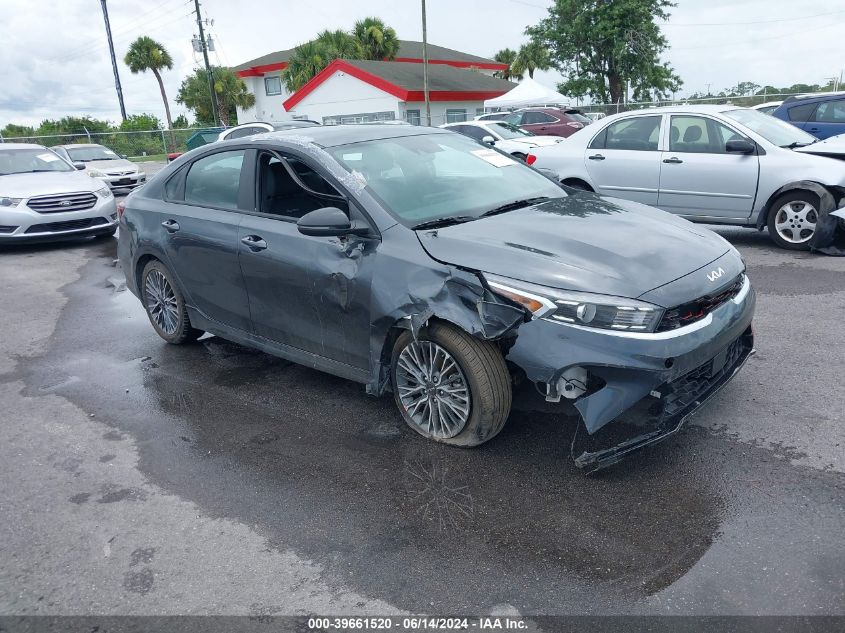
(503,136)
(719,164)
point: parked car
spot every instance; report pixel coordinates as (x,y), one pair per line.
(259,127)
(768,107)
(42,197)
(503,136)
(707,163)
(549,121)
(822,115)
(493,116)
(411,259)
(101,162)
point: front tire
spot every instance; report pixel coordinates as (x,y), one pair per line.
(449,386)
(165,305)
(792,220)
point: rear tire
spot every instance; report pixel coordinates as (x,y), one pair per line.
(436,408)
(520,156)
(165,305)
(792,219)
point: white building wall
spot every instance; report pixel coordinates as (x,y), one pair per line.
(342,94)
(438,110)
(267,107)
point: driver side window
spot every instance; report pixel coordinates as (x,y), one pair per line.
(292,195)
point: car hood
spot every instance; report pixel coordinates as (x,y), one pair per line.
(115,164)
(834,147)
(538,141)
(46,183)
(581,242)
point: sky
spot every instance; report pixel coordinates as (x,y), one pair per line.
(54,57)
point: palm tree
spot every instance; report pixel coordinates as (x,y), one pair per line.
(376,41)
(507,56)
(146,54)
(307,60)
(232,93)
(338,44)
(532,56)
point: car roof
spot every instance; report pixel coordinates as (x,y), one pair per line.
(77,145)
(815,95)
(21,146)
(334,135)
(702,108)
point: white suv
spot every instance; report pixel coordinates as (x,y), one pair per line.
(42,197)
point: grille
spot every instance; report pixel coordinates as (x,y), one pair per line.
(693,311)
(70,225)
(7,229)
(120,173)
(62,203)
(688,390)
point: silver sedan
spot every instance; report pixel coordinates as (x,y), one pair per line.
(711,163)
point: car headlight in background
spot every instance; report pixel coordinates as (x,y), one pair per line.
(95,173)
(9,202)
(602,312)
(105,192)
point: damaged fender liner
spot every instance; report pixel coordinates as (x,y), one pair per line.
(679,399)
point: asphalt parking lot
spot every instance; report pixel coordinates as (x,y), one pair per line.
(143,478)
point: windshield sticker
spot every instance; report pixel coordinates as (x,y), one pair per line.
(48,158)
(494,158)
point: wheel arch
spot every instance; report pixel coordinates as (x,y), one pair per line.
(577,183)
(799,185)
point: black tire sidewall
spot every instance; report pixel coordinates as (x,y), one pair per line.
(484,421)
(184,330)
(791,196)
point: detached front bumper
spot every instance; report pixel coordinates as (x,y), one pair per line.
(667,374)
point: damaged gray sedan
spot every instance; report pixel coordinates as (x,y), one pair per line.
(417,261)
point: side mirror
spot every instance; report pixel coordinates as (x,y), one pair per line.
(79,166)
(328,222)
(124,156)
(488,140)
(740,146)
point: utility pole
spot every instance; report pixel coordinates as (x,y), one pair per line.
(425,70)
(113,60)
(204,45)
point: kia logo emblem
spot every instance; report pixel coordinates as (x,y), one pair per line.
(713,275)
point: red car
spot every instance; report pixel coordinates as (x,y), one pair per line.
(549,121)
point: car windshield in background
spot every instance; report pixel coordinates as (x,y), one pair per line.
(436,176)
(87,154)
(773,130)
(577,115)
(22,161)
(289,125)
(508,131)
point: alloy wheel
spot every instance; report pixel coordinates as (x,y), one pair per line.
(161,302)
(433,389)
(795,221)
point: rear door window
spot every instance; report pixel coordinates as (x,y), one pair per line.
(214,181)
(638,133)
(801,113)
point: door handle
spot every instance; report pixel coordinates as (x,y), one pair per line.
(673,161)
(254,242)
(596,157)
(171,225)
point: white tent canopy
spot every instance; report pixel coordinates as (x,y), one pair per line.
(527,93)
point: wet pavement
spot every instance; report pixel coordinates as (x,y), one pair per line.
(740,513)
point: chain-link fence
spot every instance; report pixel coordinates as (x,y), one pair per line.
(136,145)
(744,102)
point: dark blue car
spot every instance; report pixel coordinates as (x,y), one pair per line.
(822,115)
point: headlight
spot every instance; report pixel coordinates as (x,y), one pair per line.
(9,202)
(95,173)
(105,192)
(579,308)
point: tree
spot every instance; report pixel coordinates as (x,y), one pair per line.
(146,54)
(375,40)
(140,123)
(507,56)
(231,94)
(306,61)
(532,56)
(181,122)
(369,39)
(603,47)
